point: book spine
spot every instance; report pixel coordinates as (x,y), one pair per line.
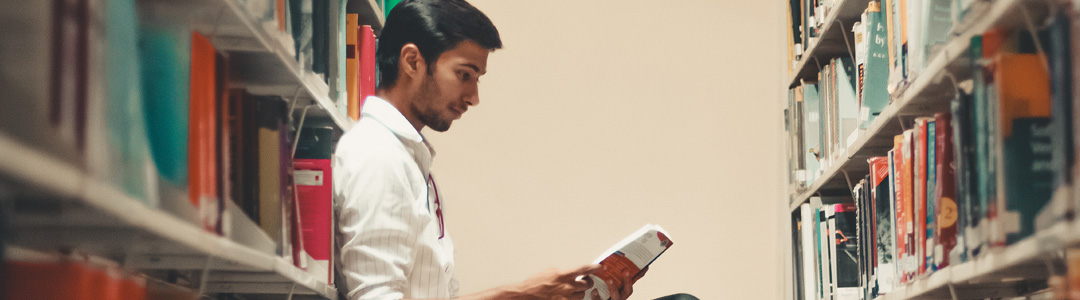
(919,169)
(366,42)
(931,187)
(202,165)
(946,210)
(352,66)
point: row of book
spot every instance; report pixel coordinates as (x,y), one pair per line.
(327,38)
(980,176)
(148,106)
(911,30)
(81,279)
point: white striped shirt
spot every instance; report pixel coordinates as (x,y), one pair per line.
(390,232)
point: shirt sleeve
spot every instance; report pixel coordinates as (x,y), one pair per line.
(379,223)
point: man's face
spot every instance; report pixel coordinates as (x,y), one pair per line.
(450,87)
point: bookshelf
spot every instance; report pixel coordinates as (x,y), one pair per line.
(55,206)
(1017,270)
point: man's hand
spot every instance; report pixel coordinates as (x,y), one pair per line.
(624,291)
(555,284)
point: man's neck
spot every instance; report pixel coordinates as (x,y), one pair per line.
(399,100)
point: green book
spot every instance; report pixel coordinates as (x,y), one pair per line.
(812,132)
(875,71)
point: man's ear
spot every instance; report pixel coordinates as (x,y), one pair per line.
(412,63)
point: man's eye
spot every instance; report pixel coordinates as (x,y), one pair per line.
(466,76)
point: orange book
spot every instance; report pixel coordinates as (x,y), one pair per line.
(1024,88)
(366,42)
(352,65)
(52,280)
(202,136)
(898,198)
(907,180)
(280,7)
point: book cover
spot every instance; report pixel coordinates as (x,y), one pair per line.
(919,180)
(352,66)
(629,256)
(313,177)
(936,22)
(875,93)
(320,37)
(269,112)
(202,143)
(945,204)
(884,232)
(808,251)
(41,65)
(1024,94)
(848,105)
(812,131)
(905,209)
(222,138)
(964,160)
(846,256)
(983,168)
(1057,37)
(930,227)
(366,41)
(165,61)
(292,236)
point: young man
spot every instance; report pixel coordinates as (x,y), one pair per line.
(392,239)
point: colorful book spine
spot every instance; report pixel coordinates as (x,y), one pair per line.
(366,41)
(919,179)
(884,250)
(945,206)
(352,65)
(931,187)
(202,143)
(1024,94)
(875,93)
(314,178)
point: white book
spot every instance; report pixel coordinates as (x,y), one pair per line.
(629,256)
(806,228)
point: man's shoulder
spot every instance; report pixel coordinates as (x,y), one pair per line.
(370,140)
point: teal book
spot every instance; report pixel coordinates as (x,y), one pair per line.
(875,72)
(812,130)
(963,157)
(931,191)
(1023,93)
(125,123)
(982,183)
(848,105)
(165,61)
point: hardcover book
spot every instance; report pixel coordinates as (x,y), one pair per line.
(629,256)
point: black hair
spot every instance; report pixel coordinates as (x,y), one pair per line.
(434,26)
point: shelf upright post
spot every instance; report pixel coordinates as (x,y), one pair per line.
(851,188)
(292,289)
(952,291)
(205,279)
(847,44)
(299,128)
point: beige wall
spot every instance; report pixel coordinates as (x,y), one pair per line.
(602,115)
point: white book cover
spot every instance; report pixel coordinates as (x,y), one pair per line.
(807,231)
(629,256)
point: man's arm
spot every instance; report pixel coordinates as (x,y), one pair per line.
(552,284)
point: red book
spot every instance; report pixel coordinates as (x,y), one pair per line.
(366,42)
(314,188)
(945,196)
(202,137)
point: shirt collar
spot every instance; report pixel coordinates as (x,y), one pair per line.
(389,116)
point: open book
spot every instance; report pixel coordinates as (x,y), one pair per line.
(628,257)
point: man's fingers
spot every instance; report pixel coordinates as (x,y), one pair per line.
(581,285)
(582,271)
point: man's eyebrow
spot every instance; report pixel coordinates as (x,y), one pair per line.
(470,65)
